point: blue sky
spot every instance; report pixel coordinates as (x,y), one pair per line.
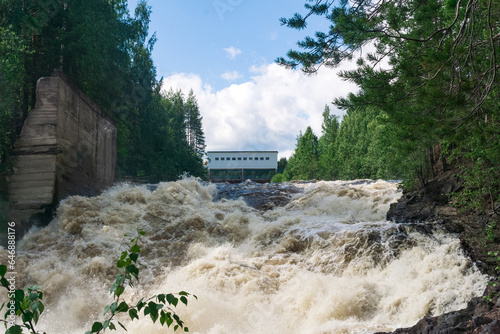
(225,50)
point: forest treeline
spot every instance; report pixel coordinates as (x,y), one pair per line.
(360,146)
(428,75)
(106,52)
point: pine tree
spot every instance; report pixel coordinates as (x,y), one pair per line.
(106,52)
(442,84)
(304,163)
(330,127)
(194,130)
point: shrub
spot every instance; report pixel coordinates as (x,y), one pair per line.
(278,178)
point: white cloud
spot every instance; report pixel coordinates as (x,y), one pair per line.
(232,52)
(231,76)
(272,36)
(266,112)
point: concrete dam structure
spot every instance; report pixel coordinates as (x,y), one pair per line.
(67,147)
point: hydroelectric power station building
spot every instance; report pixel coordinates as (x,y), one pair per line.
(238,166)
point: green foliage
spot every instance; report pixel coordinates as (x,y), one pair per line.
(362,146)
(11,78)
(106,52)
(278,178)
(441,85)
(158,147)
(157,307)
(327,146)
(490,231)
(479,159)
(304,163)
(194,130)
(282,164)
(27,303)
(495,282)
(98,42)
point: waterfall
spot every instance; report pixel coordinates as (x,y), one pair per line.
(326,262)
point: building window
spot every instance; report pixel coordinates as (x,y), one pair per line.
(261,158)
(250,158)
(217,159)
(244,158)
(220,158)
(228,158)
(239,158)
(267,158)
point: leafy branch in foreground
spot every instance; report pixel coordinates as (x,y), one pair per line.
(157,307)
(27,303)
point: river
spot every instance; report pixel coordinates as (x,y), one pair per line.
(321,258)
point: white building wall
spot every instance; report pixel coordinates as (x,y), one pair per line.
(242,159)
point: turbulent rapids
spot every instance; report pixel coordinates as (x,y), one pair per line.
(319,259)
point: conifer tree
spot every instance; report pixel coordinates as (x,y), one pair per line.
(107,53)
(12,74)
(330,126)
(304,163)
(194,129)
(442,82)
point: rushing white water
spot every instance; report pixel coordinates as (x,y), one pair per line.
(327,262)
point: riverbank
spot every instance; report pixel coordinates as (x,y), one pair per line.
(479,234)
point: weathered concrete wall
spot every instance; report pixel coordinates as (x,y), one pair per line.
(67,147)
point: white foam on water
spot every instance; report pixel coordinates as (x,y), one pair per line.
(328,262)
